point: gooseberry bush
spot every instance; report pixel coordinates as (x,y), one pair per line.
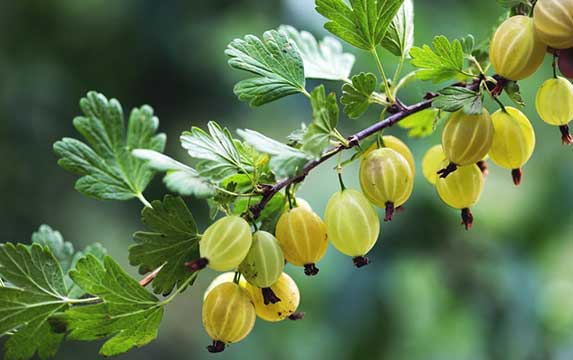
(49,292)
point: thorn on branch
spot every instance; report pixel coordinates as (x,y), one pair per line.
(467,218)
(296,316)
(269,296)
(516,174)
(216,347)
(310,269)
(447,170)
(150,277)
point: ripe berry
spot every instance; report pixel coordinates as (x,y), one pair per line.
(352,224)
(554,103)
(224,245)
(386,179)
(228,315)
(462,190)
(264,264)
(516,51)
(513,142)
(466,139)
(566,62)
(432,162)
(224,278)
(554,22)
(286,289)
(394,143)
(302,236)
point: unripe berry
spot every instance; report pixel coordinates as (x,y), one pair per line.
(554,103)
(264,264)
(462,190)
(352,224)
(386,179)
(513,142)
(228,315)
(516,52)
(286,289)
(466,139)
(432,162)
(302,236)
(554,22)
(566,63)
(394,143)
(227,277)
(225,243)
(300,202)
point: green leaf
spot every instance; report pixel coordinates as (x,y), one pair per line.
(107,169)
(513,91)
(222,155)
(179,178)
(356,96)
(421,124)
(37,292)
(285,161)
(62,250)
(324,60)
(509,4)
(324,121)
(454,98)
(129,315)
(443,63)
(269,217)
(274,60)
(171,241)
(399,38)
(364,24)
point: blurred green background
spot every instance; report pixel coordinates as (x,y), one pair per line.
(503,290)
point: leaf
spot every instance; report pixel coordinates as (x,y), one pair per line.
(62,250)
(468,43)
(295,137)
(356,96)
(454,98)
(509,4)
(285,161)
(37,292)
(324,121)
(421,124)
(324,60)
(107,169)
(128,315)
(171,241)
(276,63)
(179,178)
(443,63)
(364,24)
(399,38)
(269,216)
(513,91)
(221,154)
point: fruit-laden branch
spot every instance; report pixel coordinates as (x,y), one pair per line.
(400,112)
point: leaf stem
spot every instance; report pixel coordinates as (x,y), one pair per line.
(389,95)
(177,291)
(144,200)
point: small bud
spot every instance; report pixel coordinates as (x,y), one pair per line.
(516,174)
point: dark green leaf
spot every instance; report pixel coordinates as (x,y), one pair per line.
(268,218)
(400,36)
(454,98)
(324,121)
(364,24)
(62,250)
(421,124)
(356,96)
(107,168)
(172,241)
(129,315)
(285,161)
(514,93)
(274,60)
(324,60)
(444,62)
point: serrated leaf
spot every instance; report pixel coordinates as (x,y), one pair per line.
(422,123)
(37,291)
(129,315)
(325,116)
(276,63)
(454,98)
(324,60)
(513,91)
(444,62)
(285,161)
(364,24)
(468,43)
(269,216)
(399,38)
(356,96)
(62,250)
(179,178)
(107,168)
(171,241)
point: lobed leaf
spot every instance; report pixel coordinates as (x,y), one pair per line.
(444,62)
(454,98)
(325,116)
(422,123)
(399,38)
(356,96)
